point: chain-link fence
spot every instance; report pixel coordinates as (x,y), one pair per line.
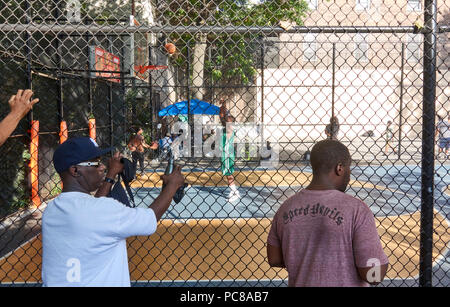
(285,69)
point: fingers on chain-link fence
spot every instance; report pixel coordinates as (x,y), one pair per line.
(290,73)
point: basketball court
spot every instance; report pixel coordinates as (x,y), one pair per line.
(205,240)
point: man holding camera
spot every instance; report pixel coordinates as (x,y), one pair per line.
(84,236)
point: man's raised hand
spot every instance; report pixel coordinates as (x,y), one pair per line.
(21,103)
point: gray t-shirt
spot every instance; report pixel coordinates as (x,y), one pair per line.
(324,237)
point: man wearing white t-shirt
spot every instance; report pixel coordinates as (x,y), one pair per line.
(84,236)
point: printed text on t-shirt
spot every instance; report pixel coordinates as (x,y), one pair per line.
(313,211)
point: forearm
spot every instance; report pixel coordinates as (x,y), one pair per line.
(373,275)
(278,264)
(105,188)
(8,125)
(163,201)
(275,256)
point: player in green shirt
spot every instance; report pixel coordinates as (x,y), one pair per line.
(228,155)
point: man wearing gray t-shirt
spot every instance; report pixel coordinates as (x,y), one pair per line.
(322,236)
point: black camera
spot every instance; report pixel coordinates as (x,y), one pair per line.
(179,194)
(127,175)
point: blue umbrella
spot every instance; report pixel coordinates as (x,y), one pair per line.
(196,107)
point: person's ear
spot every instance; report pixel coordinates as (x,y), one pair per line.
(339,169)
(73,170)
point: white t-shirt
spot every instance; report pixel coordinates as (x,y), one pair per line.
(165,143)
(84,240)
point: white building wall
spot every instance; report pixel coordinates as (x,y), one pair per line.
(298,102)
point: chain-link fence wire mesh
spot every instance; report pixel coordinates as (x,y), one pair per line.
(284,70)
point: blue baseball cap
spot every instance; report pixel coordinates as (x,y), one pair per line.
(76,150)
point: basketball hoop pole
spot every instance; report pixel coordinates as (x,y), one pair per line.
(190,116)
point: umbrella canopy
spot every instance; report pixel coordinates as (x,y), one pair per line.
(196,107)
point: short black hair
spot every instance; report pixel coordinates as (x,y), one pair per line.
(135,129)
(326,154)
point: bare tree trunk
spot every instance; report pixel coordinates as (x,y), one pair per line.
(198,66)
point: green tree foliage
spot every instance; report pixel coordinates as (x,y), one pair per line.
(232,59)
(267,13)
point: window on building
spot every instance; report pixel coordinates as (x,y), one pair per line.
(414,6)
(312,4)
(361,47)
(413,48)
(309,47)
(362,5)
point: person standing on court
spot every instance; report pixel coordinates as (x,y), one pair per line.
(84,236)
(19,104)
(322,236)
(332,129)
(165,146)
(388,137)
(443,134)
(137,146)
(228,156)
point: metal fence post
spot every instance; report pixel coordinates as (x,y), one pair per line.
(188,98)
(110,99)
(400,113)
(429,94)
(333,80)
(262,90)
